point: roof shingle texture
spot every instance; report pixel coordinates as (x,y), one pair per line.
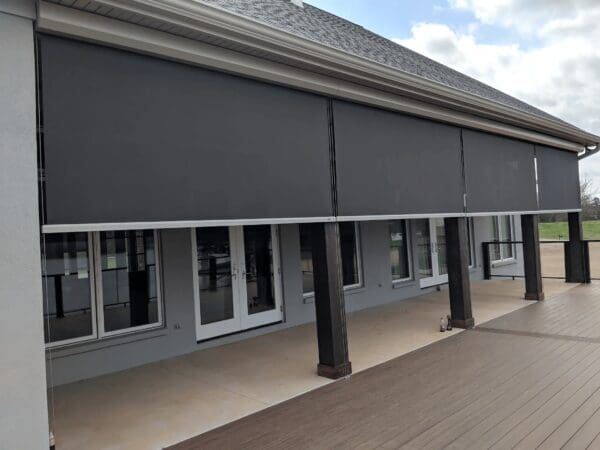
(325,28)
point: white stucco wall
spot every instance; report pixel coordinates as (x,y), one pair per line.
(23,406)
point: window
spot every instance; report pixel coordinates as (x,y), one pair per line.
(502,230)
(69,313)
(128,277)
(399,252)
(350,250)
(99,284)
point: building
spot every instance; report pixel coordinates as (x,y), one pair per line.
(199,172)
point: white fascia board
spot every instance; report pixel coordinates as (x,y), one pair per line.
(95,28)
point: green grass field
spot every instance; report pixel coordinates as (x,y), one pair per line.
(559,230)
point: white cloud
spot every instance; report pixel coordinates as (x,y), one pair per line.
(559,75)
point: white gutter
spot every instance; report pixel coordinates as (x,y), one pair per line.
(355,78)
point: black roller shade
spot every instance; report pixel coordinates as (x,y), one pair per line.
(558,179)
(129,137)
(499,172)
(391,164)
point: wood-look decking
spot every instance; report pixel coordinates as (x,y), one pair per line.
(530,379)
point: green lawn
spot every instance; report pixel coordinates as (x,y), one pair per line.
(559,230)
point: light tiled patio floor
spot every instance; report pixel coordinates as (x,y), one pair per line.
(163,403)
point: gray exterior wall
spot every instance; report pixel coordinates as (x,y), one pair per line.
(23,408)
(178,336)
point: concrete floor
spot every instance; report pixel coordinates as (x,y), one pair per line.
(163,403)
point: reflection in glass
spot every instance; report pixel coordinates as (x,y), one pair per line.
(66,287)
(260,285)
(423,247)
(440,235)
(501,231)
(214,274)
(470,240)
(349,251)
(306,260)
(507,229)
(129,289)
(495,248)
(399,250)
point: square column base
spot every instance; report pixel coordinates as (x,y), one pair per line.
(534,296)
(466,324)
(334,372)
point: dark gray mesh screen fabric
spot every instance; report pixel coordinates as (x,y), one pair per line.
(129,137)
(499,172)
(558,179)
(390,164)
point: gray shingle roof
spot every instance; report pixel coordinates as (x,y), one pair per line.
(325,28)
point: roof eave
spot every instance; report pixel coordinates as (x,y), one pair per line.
(306,53)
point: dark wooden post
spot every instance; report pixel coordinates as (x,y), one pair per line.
(576,257)
(457,254)
(532,264)
(329,301)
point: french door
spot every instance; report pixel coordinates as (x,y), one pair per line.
(431,248)
(237,282)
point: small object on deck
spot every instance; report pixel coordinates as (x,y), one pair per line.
(449,323)
(51,439)
(443,324)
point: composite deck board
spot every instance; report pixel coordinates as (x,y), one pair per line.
(507,416)
(528,379)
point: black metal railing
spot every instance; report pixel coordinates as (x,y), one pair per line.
(488,262)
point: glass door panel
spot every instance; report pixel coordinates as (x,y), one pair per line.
(259,292)
(440,238)
(216,289)
(423,247)
(431,242)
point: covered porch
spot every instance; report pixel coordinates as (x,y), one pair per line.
(162,403)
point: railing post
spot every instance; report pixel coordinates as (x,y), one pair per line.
(487,269)
(587,271)
(577,260)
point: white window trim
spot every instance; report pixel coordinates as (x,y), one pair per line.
(504,261)
(409,253)
(359,264)
(92,280)
(100,299)
(96,307)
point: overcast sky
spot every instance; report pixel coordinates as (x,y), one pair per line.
(545,52)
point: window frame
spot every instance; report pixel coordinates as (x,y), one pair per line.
(407,230)
(92,281)
(471,242)
(97,304)
(500,227)
(100,298)
(359,264)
